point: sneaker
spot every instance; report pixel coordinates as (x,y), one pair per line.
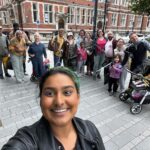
(19,81)
(25,74)
(94,77)
(114,94)
(8,75)
(111,93)
(98,76)
(1,77)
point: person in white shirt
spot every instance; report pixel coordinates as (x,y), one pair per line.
(109,54)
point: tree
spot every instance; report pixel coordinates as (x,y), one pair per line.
(141,6)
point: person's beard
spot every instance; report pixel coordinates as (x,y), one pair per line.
(110,38)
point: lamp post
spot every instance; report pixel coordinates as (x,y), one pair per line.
(105,12)
(132,26)
(94,25)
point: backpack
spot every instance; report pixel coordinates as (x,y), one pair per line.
(53,45)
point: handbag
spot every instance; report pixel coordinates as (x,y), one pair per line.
(9,64)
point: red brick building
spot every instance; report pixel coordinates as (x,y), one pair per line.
(48,15)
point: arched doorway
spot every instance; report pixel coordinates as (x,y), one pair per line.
(99,24)
(61,23)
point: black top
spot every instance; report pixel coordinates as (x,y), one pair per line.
(60,146)
(39,137)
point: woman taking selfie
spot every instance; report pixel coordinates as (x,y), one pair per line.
(58,129)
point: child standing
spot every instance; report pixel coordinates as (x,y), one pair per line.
(114,74)
(82,57)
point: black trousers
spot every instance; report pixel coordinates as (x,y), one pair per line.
(106,69)
(113,84)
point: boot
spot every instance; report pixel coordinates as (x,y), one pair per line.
(8,75)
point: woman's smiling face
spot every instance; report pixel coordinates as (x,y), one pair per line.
(59,99)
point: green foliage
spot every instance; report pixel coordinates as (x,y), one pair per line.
(141,6)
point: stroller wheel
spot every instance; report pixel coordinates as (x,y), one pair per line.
(123,96)
(136,108)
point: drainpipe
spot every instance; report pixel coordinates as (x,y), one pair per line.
(105,14)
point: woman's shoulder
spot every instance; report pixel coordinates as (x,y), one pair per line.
(86,127)
(25,138)
(88,131)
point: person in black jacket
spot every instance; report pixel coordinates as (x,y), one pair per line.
(137,51)
(58,129)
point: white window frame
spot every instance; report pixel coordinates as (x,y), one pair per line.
(78,15)
(89,16)
(139,21)
(34,21)
(116,19)
(83,16)
(4,17)
(101,0)
(71,17)
(148,23)
(123,20)
(48,12)
(131,20)
(115,2)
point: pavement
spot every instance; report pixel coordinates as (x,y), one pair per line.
(120,130)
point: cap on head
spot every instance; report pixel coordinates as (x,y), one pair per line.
(69,34)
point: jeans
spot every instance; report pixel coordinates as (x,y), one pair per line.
(17,63)
(57,61)
(98,61)
(38,68)
(80,66)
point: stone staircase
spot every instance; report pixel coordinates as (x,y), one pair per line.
(120,130)
(19,106)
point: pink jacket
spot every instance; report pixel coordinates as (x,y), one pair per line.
(82,54)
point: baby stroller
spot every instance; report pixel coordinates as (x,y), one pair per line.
(138,92)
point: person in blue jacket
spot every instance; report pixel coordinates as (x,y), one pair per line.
(36,52)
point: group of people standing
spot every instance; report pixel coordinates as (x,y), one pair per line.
(14,47)
(110,53)
(75,52)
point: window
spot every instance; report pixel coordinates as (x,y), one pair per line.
(131,21)
(78,16)
(114,19)
(139,21)
(92,17)
(123,20)
(48,13)
(148,23)
(102,0)
(100,15)
(125,2)
(4,17)
(83,16)
(35,12)
(89,16)
(71,11)
(116,2)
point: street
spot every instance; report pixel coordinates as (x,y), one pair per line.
(120,130)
